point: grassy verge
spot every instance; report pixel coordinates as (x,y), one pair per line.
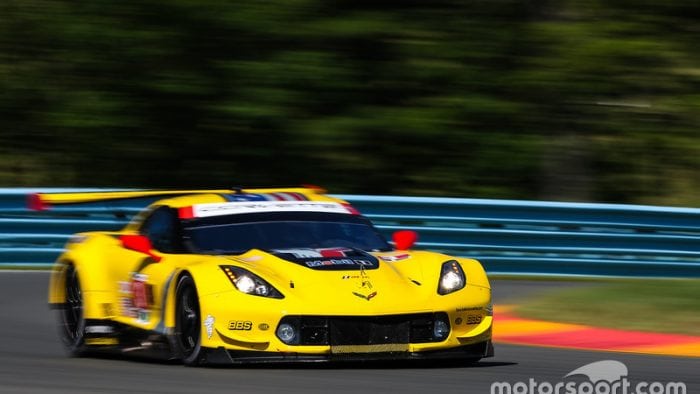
(671,306)
(25,268)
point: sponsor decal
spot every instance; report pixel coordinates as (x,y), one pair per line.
(300,253)
(338,258)
(397,257)
(143,316)
(137,297)
(467,309)
(336,262)
(239,207)
(99,329)
(264,326)
(124,287)
(209,325)
(240,325)
(474,319)
(334,252)
(127,307)
(138,291)
(315,253)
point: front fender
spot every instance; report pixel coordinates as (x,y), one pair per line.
(208,279)
(475,273)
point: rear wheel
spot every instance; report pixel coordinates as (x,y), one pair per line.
(71,321)
(188,321)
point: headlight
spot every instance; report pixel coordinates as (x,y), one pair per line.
(245,284)
(451,278)
(249,283)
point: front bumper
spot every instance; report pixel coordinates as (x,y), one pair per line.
(246,328)
(220,355)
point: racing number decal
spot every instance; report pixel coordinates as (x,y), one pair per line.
(137,297)
(138,291)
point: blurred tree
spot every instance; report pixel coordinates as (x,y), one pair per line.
(570,100)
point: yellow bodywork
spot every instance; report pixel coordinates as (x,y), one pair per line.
(241,321)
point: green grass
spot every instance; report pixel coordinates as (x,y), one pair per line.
(671,306)
(22,267)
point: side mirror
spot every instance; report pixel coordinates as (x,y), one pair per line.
(405,239)
(141,244)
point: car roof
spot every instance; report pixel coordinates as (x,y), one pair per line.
(281,194)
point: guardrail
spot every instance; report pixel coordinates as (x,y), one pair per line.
(508,237)
(530,237)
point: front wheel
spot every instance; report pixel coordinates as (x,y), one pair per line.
(71,321)
(188,321)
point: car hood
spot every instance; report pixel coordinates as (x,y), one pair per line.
(383,282)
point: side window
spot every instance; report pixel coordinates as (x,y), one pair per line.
(161,227)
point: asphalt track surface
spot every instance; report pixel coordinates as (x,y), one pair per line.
(33,361)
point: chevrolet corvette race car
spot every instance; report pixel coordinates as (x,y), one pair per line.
(262,275)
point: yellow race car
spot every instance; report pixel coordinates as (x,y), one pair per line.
(263,275)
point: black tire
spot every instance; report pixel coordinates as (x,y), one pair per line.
(71,320)
(188,322)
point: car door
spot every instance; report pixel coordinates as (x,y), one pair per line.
(142,279)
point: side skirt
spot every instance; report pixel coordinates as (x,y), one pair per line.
(106,336)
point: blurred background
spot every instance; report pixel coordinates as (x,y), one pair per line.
(579,100)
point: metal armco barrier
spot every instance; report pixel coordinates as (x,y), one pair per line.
(508,237)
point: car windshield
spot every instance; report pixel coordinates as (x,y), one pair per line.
(236,234)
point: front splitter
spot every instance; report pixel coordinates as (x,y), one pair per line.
(220,355)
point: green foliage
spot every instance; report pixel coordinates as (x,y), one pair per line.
(657,305)
(571,100)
